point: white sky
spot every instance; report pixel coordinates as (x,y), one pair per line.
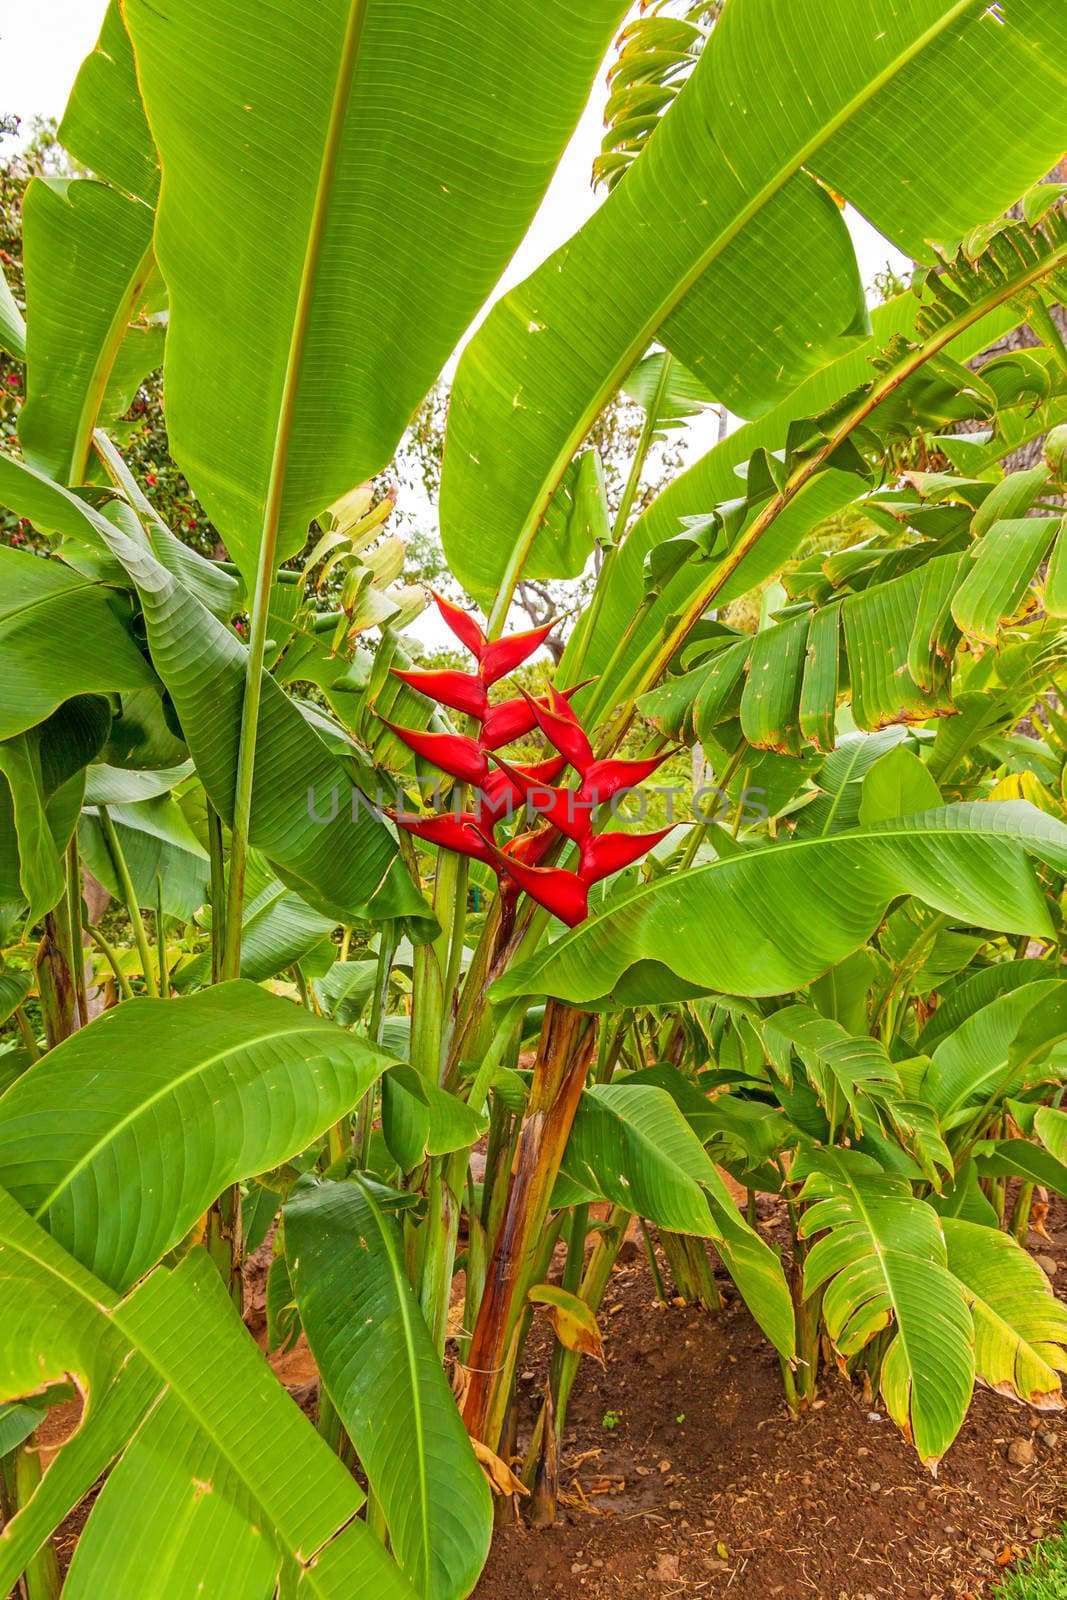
(43,42)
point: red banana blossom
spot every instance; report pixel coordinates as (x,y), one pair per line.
(460,691)
(569,812)
(454,753)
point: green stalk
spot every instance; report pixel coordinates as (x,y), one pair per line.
(74,924)
(161,941)
(387,942)
(113,961)
(20,1474)
(129,896)
(621,524)
(272,509)
(29,1039)
(218,890)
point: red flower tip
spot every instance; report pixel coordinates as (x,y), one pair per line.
(512,719)
(562,893)
(606,853)
(561,807)
(453,753)
(604,779)
(461,691)
(451,832)
(565,732)
(504,655)
(462,625)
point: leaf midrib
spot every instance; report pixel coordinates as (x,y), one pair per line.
(167,1089)
(402,1291)
(357,12)
(793,847)
(786,171)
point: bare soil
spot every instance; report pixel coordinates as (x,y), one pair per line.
(686,1475)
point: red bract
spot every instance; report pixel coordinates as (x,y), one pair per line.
(561,807)
(512,719)
(495,658)
(502,790)
(562,893)
(463,626)
(602,780)
(504,655)
(451,832)
(453,753)
(460,691)
(606,853)
(564,731)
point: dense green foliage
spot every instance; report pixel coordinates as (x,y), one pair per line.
(379,969)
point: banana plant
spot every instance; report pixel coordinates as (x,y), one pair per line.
(342,890)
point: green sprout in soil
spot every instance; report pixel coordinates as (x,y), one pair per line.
(611,1420)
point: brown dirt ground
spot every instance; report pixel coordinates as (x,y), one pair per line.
(683,1473)
(706,1486)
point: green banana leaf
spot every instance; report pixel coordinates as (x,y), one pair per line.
(771,920)
(380,1369)
(283,1487)
(716,205)
(413,145)
(239,1079)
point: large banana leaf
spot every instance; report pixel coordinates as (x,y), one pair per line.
(882,106)
(161,851)
(235,1078)
(280,1480)
(318,283)
(90,266)
(12,323)
(771,920)
(306,818)
(88,257)
(631,1144)
(1020,1328)
(42,781)
(977,1063)
(380,1368)
(60,635)
(883,1261)
(104,125)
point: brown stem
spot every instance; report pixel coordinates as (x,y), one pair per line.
(564,1053)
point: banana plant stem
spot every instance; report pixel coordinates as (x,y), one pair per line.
(218,890)
(246,760)
(129,896)
(112,960)
(563,1058)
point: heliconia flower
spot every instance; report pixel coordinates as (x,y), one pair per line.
(562,729)
(512,719)
(561,807)
(463,626)
(453,753)
(605,853)
(495,658)
(601,780)
(562,893)
(504,655)
(460,691)
(501,791)
(459,833)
